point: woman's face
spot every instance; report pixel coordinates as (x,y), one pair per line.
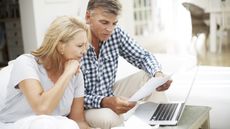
(77,47)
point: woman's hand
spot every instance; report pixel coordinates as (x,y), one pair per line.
(72,67)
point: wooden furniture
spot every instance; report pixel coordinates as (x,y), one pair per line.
(219,21)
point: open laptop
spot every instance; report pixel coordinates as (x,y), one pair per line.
(163,113)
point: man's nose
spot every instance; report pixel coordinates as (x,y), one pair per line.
(110,28)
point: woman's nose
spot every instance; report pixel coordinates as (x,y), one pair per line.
(84,50)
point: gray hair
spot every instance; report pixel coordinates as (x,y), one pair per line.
(110,6)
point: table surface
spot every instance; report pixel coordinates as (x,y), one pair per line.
(192,117)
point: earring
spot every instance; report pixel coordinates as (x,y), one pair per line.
(62,52)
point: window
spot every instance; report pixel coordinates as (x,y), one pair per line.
(143,17)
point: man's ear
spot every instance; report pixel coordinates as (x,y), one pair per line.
(87,17)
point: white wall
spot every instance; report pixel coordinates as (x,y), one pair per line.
(28,25)
(126,19)
(36,15)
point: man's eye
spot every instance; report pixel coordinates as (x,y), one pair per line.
(104,22)
(115,24)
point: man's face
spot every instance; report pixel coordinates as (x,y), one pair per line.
(101,23)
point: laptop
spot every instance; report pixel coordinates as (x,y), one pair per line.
(163,113)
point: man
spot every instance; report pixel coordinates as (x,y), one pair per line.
(99,66)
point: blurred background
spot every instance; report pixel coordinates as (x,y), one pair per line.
(178,32)
(161,26)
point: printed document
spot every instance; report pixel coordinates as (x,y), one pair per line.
(149,87)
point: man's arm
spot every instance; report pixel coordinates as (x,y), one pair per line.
(130,50)
(139,57)
(92,101)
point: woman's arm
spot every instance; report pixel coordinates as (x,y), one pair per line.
(77,113)
(45,102)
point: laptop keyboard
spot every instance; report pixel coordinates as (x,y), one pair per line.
(164,112)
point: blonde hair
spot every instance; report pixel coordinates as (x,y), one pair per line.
(61,30)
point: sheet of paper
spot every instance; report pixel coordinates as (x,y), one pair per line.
(149,87)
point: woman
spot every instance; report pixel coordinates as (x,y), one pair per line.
(46,88)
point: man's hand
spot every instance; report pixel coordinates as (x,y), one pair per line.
(166,85)
(117,104)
